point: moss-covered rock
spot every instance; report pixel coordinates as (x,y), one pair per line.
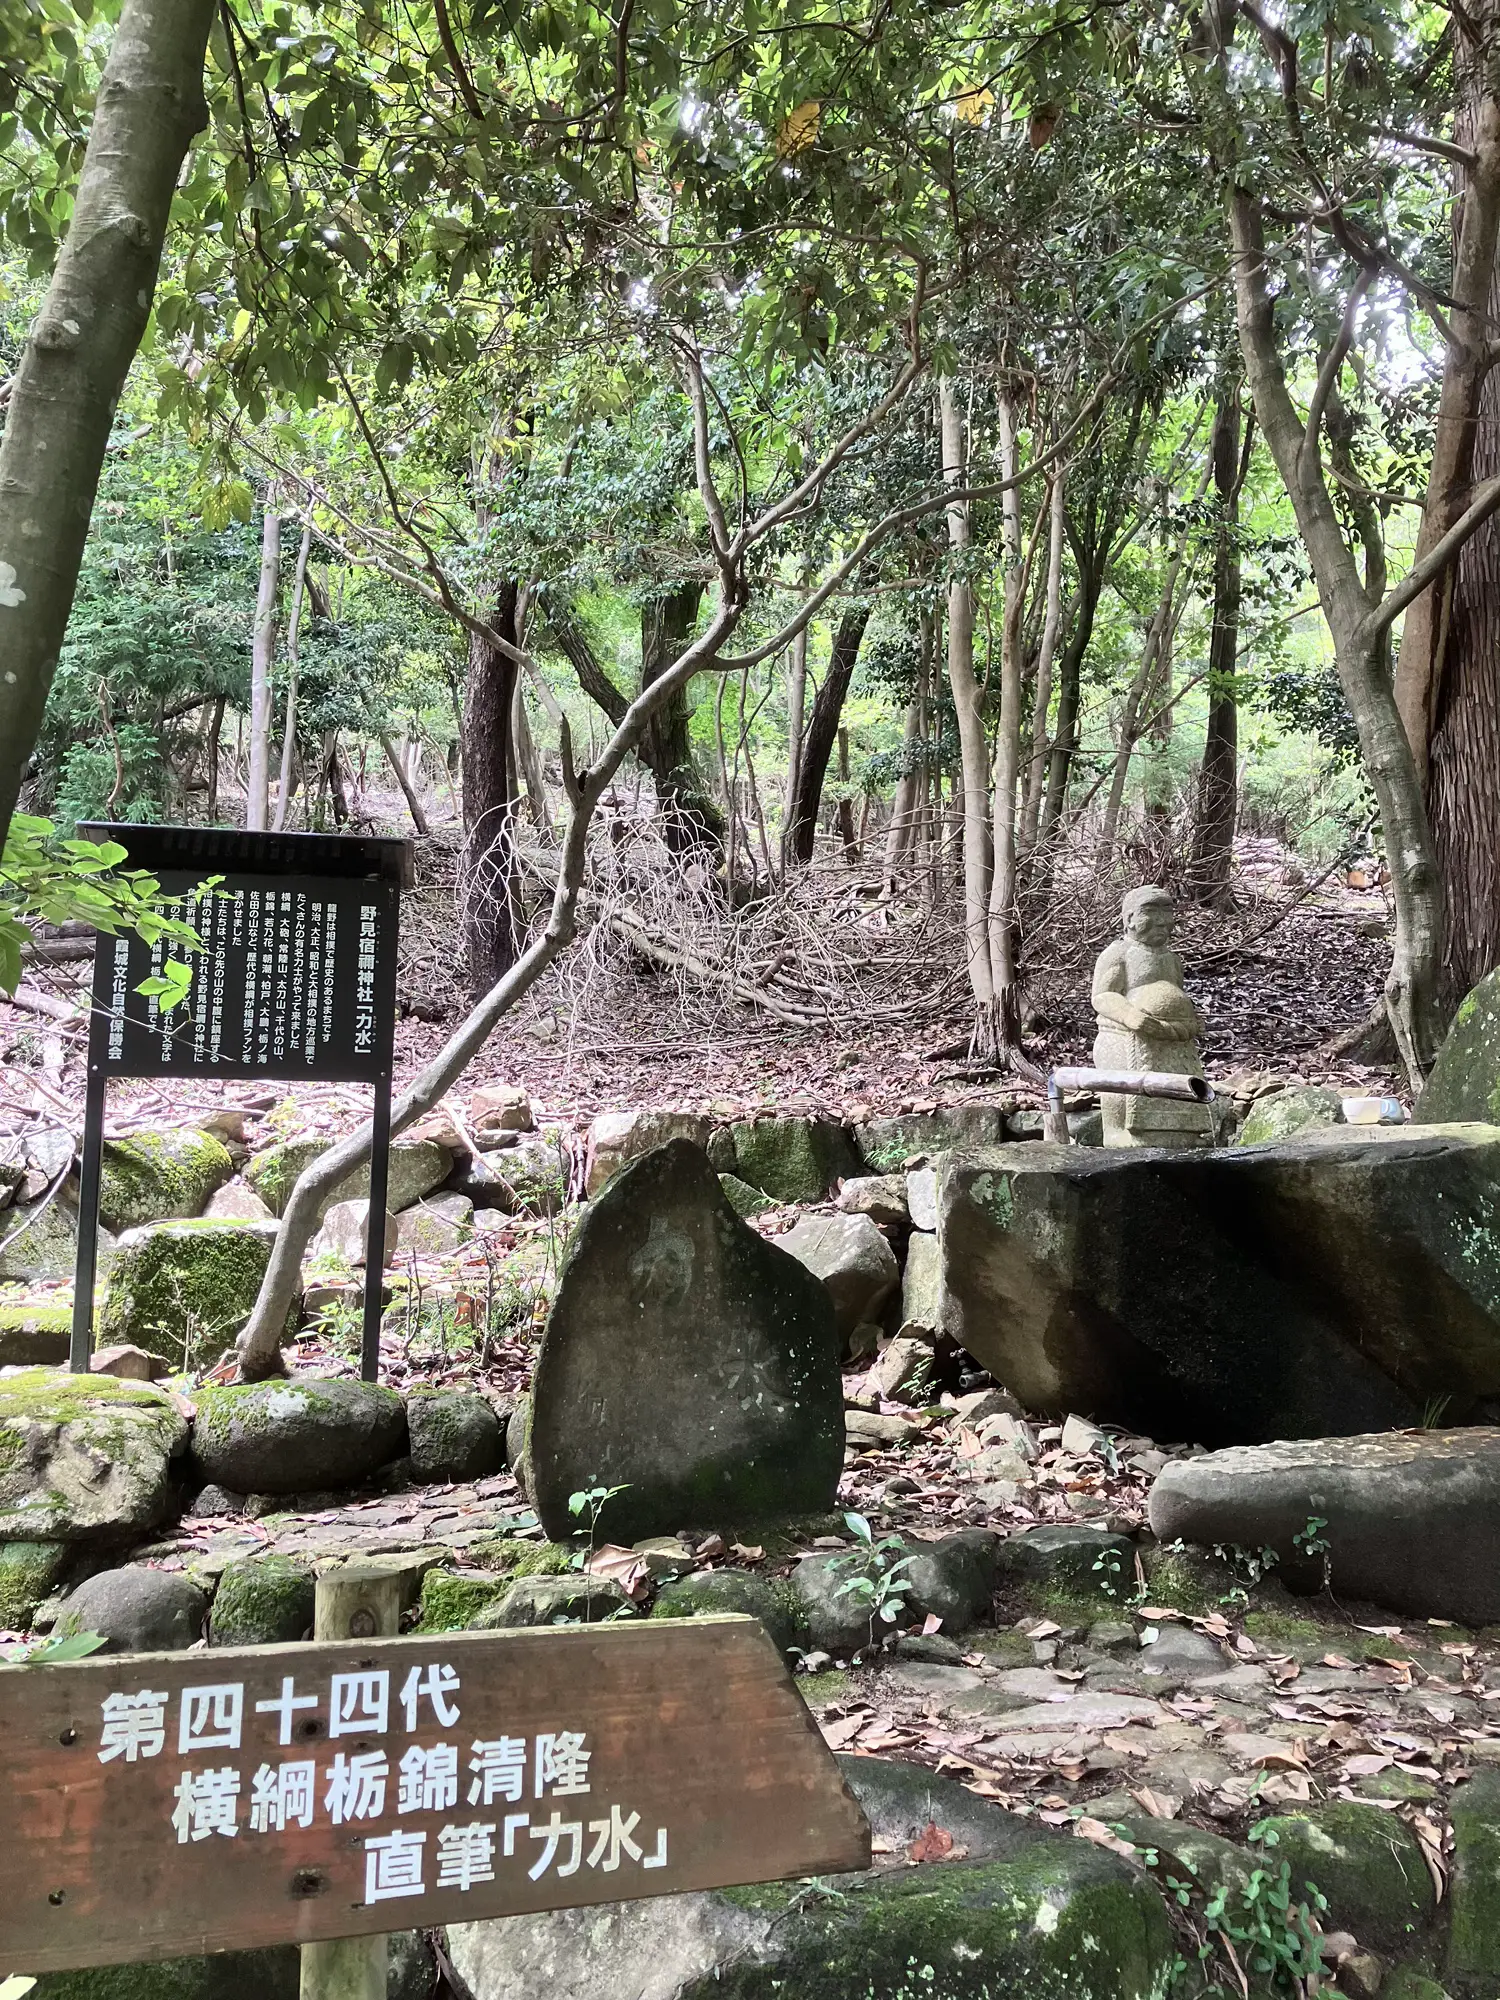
(84,1457)
(453,1436)
(262,1601)
(226,1975)
(136,1610)
(1366,1862)
(156,1176)
(888,1143)
(1465,1079)
(706,1593)
(577,1599)
(794,1159)
(507,1555)
(1074,1560)
(185,1289)
(29,1572)
(1284,1112)
(416,1168)
(1474,1934)
(33,1336)
(307,1435)
(742,1198)
(47,1247)
(451,1602)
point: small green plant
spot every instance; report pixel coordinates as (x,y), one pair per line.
(592,1501)
(1311,1541)
(1434,1410)
(1107,1564)
(1269,1939)
(877,1584)
(54,1653)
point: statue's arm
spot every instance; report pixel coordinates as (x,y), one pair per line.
(1108,995)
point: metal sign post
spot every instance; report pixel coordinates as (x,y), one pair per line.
(165,1804)
(296,981)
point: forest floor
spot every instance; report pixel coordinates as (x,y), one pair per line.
(1277,976)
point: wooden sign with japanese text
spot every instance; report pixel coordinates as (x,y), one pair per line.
(165,1804)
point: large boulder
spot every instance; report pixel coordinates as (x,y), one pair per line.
(1473,1969)
(416,1168)
(29,1573)
(1329,1285)
(185,1289)
(41,1241)
(84,1458)
(712,1593)
(1409,1519)
(303,1436)
(618,1137)
(136,1610)
(1366,1861)
(686,1362)
(155,1176)
(1026,1916)
(1465,1079)
(794,1159)
(852,1258)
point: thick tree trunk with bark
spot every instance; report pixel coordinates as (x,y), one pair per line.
(821,735)
(1448,675)
(1216,807)
(490,917)
(62,401)
(666,631)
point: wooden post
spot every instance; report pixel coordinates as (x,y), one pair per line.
(359,1601)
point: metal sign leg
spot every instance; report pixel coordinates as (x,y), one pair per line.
(380,1165)
(86,1262)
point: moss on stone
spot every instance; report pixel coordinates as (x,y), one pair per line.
(185,1288)
(450,1602)
(1366,1862)
(1195,1581)
(154,1176)
(818,1690)
(29,1572)
(20,1316)
(742,1198)
(708,1593)
(131,1431)
(1278,1625)
(262,1601)
(1284,1112)
(1050,1924)
(33,1336)
(505,1555)
(1474,1935)
(793,1159)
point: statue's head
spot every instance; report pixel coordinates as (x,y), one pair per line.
(1147,916)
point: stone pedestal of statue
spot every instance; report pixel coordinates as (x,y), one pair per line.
(1147,1022)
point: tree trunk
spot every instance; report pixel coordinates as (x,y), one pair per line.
(1069,698)
(490,917)
(968,709)
(1004,914)
(408,790)
(262,660)
(796,714)
(211,753)
(845,814)
(73,368)
(1217,804)
(666,631)
(528,762)
(900,833)
(1411,989)
(821,735)
(1036,774)
(293,648)
(1448,675)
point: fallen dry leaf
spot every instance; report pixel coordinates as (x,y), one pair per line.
(1101,1835)
(933,1843)
(842,1730)
(621,1566)
(930,1624)
(1160,1805)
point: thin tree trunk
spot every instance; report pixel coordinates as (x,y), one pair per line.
(973,749)
(845,814)
(262,659)
(1036,775)
(667,624)
(408,790)
(1154,652)
(821,734)
(1216,806)
(293,647)
(529,762)
(215,731)
(899,834)
(490,917)
(1004,921)
(796,711)
(73,367)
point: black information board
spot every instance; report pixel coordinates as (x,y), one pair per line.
(296,978)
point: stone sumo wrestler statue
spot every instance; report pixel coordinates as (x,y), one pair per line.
(1147,1022)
